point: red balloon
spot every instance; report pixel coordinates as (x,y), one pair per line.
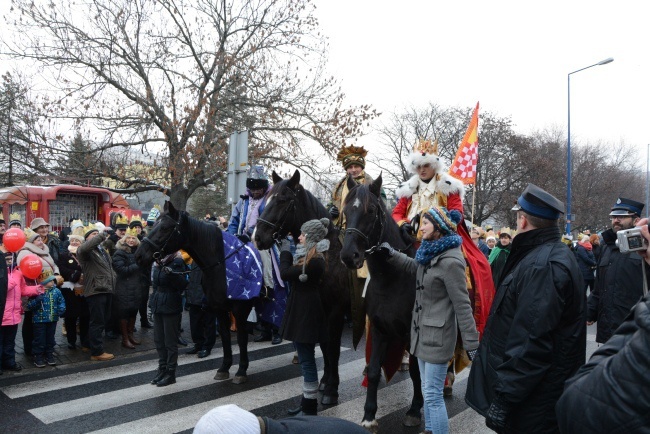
(14,240)
(31,266)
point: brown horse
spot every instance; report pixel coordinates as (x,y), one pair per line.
(288,206)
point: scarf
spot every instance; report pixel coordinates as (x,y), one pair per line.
(253,213)
(524,243)
(429,249)
(586,244)
(73,249)
(301,250)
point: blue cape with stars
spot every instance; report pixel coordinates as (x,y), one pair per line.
(243,268)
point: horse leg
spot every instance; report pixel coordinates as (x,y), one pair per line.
(333,348)
(241,311)
(379,349)
(223,318)
(413,415)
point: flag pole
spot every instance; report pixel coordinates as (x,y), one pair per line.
(473,202)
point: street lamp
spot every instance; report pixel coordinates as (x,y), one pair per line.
(568,150)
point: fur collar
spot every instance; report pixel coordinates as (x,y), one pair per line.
(445,185)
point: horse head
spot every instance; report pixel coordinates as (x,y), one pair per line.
(279,216)
(365,218)
(164,238)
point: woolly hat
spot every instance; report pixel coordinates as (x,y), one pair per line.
(228,419)
(38,222)
(45,277)
(445,221)
(153,215)
(256,179)
(315,231)
(425,152)
(136,221)
(14,219)
(352,155)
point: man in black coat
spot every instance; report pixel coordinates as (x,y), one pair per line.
(619,279)
(535,337)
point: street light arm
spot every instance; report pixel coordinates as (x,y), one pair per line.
(602,62)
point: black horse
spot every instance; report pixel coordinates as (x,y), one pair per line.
(288,206)
(390,293)
(176,230)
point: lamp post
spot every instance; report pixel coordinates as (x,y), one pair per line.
(568,141)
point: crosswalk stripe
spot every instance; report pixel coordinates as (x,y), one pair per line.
(186,417)
(80,379)
(104,401)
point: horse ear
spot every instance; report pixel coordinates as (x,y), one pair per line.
(375,187)
(295,179)
(169,207)
(350,183)
(276,177)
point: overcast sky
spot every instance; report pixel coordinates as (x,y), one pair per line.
(512,56)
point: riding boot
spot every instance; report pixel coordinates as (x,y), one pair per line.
(126,343)
(169,378)
(309,406)
(130,329)
(159,375)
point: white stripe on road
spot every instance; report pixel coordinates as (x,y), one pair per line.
(104,401)
(80,379)
(185,418)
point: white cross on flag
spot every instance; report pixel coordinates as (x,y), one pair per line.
(464,165)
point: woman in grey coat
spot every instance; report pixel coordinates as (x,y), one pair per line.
(442,307)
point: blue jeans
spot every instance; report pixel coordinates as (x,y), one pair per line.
(435,412)
(44,338)
(8,344)
(307,358)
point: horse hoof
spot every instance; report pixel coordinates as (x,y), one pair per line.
(239,379)
(404,367)
(411,421)
(219,376)
(371,426)
(329,400)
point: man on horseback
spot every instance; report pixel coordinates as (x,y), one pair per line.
(432,185)
(242,224)
(353,159)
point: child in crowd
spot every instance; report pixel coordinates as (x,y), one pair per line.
(46,309)
(11,317)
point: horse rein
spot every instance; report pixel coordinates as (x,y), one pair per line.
(366,238)
(159,253)
(277,235)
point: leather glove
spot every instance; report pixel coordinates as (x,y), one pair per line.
(386,249)
(407,230)
(471,354)
(285,245)
(497,414)
(334,212)
(244,238)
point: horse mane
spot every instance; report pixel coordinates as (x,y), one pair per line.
(204,239)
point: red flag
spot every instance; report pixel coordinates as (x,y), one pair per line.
(464,165)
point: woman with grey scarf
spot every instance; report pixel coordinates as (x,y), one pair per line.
(304,319)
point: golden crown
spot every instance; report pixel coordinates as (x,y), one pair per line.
(136,218)
(15,217)
(352,155)
(88,229)
(131,232)
(121,220)
(426,147)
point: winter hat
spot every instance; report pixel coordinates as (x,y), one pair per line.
(38,222)
(14,219)
(45,277)
(425,152)
(256,179)
(445,221)
(352,155)
(89,230)
(228,419)
(136,221)
(315,231)
(153,215)
(120,222)
(75,226)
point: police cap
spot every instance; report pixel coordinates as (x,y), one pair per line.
(539,203)
(626,207)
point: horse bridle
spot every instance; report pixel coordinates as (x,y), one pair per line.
(366,238)
(160,250)
(278,227)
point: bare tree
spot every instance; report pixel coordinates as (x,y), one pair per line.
(168,81)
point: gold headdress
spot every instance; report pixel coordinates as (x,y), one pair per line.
(136,220)
(424,152)
(121,222)
(131,232)
(425,147)
(352,155)
(90,229)
(14,218)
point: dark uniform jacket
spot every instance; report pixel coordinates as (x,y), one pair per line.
(96,264)
(304,319)
(166,298)
(618,287)
(610,393)
(535,336)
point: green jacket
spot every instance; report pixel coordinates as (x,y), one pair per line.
(97,267)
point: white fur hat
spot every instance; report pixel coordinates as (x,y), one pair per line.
(425,152)
(228,419)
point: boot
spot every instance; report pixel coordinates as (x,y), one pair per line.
(309,406)
(159,375)
(130,329)
(167,379)
(125,337)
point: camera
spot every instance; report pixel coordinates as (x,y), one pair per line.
(630,240)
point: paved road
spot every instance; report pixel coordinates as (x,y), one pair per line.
(80,396)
